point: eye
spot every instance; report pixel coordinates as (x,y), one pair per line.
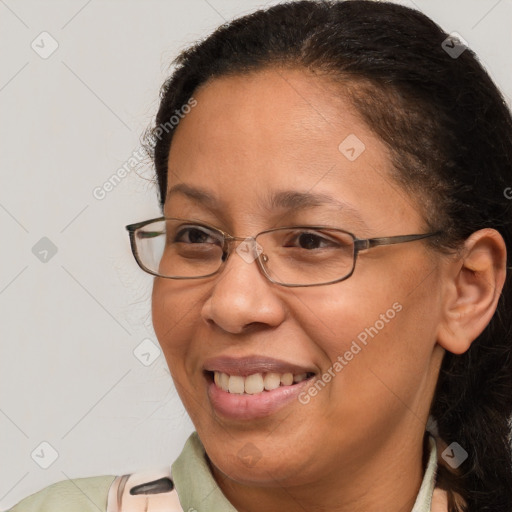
(311,240)
(196,235)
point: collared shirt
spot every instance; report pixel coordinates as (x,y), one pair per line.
(196,489)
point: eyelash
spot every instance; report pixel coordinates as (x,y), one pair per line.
(295,235)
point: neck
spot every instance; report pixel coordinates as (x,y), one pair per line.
(389,482)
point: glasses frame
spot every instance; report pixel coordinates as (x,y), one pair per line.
(359,245)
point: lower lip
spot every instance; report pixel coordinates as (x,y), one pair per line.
(250,407)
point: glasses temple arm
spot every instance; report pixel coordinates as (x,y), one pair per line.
(389,240)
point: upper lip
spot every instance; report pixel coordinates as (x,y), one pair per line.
(245,366)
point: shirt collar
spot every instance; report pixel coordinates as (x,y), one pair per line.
(197,489)
(424,498)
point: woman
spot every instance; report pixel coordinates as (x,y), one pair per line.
(311,136)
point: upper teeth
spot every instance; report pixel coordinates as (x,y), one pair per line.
(256,382)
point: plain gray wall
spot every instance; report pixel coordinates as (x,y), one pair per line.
(70,321)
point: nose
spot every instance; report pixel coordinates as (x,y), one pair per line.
(242,297)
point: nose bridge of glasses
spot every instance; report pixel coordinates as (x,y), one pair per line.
(245,246)
(230,238)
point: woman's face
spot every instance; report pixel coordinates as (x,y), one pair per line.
(372,337)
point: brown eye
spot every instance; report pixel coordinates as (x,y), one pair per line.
(196,235)
(311,240)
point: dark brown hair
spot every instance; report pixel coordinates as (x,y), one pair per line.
(449,132)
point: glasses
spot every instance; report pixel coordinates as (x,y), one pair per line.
(291,256)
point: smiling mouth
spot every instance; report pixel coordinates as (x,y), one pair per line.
(256,382)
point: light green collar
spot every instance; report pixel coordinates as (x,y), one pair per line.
(424,499)
(197,489)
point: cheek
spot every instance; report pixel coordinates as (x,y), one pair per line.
(376,341)
(175,312)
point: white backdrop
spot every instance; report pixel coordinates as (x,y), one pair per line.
(79,82)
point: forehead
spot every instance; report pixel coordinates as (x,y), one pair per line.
(274,130)
(273,122)
(272,105)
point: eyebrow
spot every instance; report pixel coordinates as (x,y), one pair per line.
(285,199)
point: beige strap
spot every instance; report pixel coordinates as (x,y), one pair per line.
(143,492)
(439,501)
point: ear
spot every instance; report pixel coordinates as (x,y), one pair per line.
(474,284)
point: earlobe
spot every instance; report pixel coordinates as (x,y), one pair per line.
(474,284)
